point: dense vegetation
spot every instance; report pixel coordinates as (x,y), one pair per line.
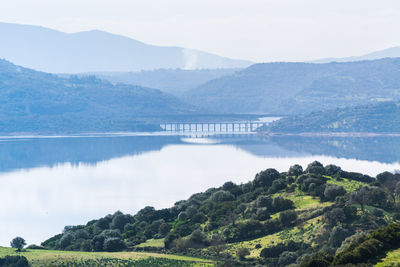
(33,101)
(277,219)
(294,88)
(377,118)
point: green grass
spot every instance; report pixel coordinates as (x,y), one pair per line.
(47,258)
(304,233)
(349,185)
(392,259)
(156,243)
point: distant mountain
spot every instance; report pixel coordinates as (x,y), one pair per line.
(293,88)
(386,53)
(57,52)
(379,118)
(37,102)
(174,81)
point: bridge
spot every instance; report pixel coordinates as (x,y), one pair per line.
(216,127)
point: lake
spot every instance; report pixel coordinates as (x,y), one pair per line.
(50,182)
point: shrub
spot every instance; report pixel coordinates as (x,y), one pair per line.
(222,195)
(338,234)
(14,261)
(241,253)
(288,217)
(318,260)
(265,178)
(332,170)
(315,167)
(113,244)
(169,239)
(286,258)
(264,202)
(332,191)
(295,170)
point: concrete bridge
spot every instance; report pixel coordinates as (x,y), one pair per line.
(216,127)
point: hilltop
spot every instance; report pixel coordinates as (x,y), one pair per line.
(296,217)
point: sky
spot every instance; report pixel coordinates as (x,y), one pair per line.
(257,30)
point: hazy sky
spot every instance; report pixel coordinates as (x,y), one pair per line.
(259,30)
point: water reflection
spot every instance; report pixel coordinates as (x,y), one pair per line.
(46,184)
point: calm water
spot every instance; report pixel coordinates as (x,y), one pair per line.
(47,183)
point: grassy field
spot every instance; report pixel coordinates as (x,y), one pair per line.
(156,243)
(305,233)
(391,259)
(47,258)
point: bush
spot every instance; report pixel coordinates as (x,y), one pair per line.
(86,245)
(112,244)
(14,261)
(241,253)
(332,170)
(332,191)
(222,195)
(277,250)
(288,217)
(286,258)
(169,239)
(315,167)
(264,202)
(281,204)
(265,178)
(318,260)
(337,236)
(295,170)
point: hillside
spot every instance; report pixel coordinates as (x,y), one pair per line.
(293,88)
(173,81)
(379,118)
(53,51)
(37,102)
(276,219)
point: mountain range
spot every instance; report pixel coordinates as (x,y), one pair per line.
(53,51)
(386,53)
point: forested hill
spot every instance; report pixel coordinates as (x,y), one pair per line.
(37,102)
(294,88)
(301,217)
(378,118)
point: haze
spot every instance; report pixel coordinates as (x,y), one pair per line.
(257,30)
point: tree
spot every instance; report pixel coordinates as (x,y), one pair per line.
(315,167)
(295,170)
(360,196)
(112,244)
(332,191)
(288,217)
(265,178)
(18,243)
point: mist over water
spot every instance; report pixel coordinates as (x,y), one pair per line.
(47,184)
